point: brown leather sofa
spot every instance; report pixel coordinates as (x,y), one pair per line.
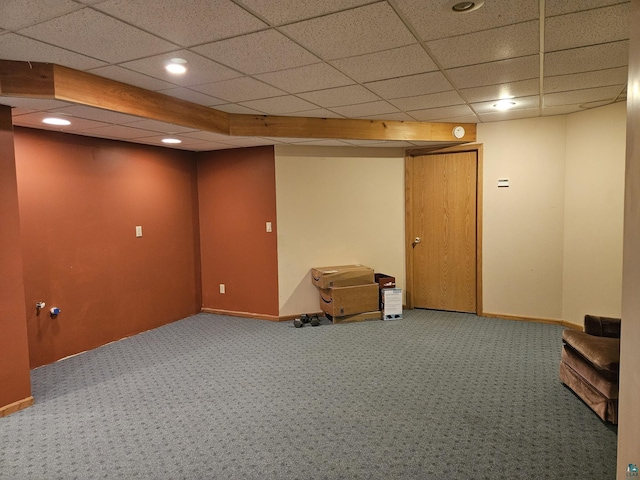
(591,362)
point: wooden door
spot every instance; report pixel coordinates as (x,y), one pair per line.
(444,203)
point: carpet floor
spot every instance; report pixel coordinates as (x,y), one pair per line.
(436,395)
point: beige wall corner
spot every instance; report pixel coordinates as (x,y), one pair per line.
(594,205)
(337,206)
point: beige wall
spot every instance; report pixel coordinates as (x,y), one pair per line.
(523,224)
(336,206)
(594,205)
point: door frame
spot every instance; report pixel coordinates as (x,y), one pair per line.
(409,193)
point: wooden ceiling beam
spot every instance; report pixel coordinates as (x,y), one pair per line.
(43,80)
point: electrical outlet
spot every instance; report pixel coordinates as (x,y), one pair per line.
(138,230)
(222,289)
(269,229)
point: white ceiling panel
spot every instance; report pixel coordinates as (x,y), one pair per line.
(193,96)
(161,127)
(118,132)
(206,136)
(17,47)
(410,86)
(319,76)
(511,41)
(98,35)
(599,78)
(434,100)
(560,7)
(437,20)
(288,11)
(237,108)
(199,69)
(259,52)
(504,90)
(583,96)
(398,117)
(521,103)
(28,105)
(35,120)
(130,77)
(280,105)
(397,62)
(97,114)
(17,14)
(496,73)
(353,32)
(436,114)
(508,115)
(239,90)
(597,57)
(333,97)
(187,22)
(366,109)
(608,24)
(318,113)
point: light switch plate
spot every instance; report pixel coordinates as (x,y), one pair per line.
(138,230)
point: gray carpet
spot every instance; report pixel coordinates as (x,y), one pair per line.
(436,395)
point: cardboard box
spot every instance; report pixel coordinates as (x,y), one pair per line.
(341,276)
(392,304)
(342,301)
(384,280)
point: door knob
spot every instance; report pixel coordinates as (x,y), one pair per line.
(416,241)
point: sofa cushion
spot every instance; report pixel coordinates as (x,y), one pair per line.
(602,352)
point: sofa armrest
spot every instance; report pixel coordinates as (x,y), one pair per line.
(602,326)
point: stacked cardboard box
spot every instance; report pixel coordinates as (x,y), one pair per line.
(347,292)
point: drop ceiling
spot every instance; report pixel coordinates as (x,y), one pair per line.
(404,60)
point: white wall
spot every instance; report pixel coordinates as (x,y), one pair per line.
(523,224)
(594,205)
(336,206)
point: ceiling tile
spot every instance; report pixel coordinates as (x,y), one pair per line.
(521,103)
(583,96)
(35,120)
(487,46)
(324,143)
(248,141)
(493,73)
(279,105)
(157,140)
(98,35)
(598,78)
(606,24)
(397,117)
(504,90)
(118,132)
(16,14)
(156,126)
(561,110)
(236,108)
(239,89)
(397,62)
(131,78)
(287,11)
(97,114)
(410,86)
(437,20)
(259,52)
(193,96)
(508,115)
(21,105)
(435,114)
(17,47)
(318,113)
(365,109)
(187,22)
(203,136)
(559,7)
(305,79)
(333,97)
(199,69)
(353,32)
(576,60)
(420,102)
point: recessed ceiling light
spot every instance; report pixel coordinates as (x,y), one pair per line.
(171,140)
(176,65)
(465,7)
(56,121)
(504,104)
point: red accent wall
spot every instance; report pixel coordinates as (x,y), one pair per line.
(237,196)
(80,201)
(15,381)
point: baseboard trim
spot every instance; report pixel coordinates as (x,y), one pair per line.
(259,316)
(521,318)
(16,406)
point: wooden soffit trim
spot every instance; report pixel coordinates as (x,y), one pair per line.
(50,81)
